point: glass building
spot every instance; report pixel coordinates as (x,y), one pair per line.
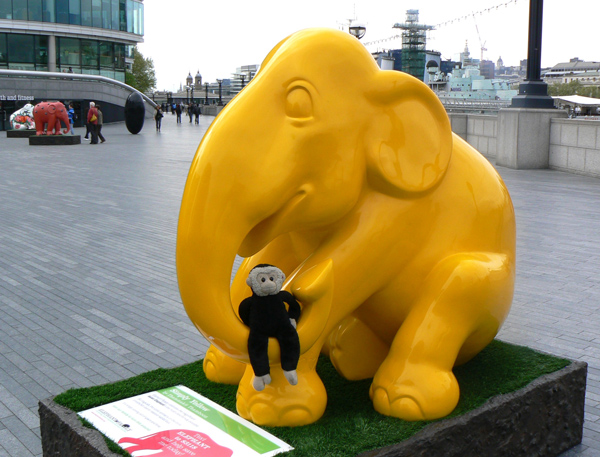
(83,36)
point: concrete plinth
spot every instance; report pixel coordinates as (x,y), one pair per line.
(54,140)
(524,137)
(542,419)
(21,133)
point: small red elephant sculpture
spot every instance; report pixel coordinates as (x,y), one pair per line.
(50,113)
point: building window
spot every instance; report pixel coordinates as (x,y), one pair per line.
(106,55)
(68,52)
(86,12)
(35,10)
(48,11)
(106,18)
(21,55)
(119,56)
(41,52)
(114,14)
(3,51)
(75,12)
(19,8)
(122,16)
(5,9)
(97,13)
(62,11)
(129,16)
(89,54)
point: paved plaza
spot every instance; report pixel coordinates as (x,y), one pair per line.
(88,288)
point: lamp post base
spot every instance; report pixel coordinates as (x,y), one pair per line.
(533,94)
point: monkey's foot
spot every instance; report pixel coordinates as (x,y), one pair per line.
(291,376)
(422,392)
(281,404)
(221,368)
(259,382)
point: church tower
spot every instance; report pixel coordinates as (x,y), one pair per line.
(198,83)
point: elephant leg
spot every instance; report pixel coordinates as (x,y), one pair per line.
(221,368)
(355,350)
(281,404)
(466,298)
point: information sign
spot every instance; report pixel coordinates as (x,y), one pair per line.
(179,422)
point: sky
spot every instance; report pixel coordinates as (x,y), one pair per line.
(214,38)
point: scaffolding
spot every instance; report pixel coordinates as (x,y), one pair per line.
(414,39)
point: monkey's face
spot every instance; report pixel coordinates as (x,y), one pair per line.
(266,280)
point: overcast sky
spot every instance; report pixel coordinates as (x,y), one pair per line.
(215,38)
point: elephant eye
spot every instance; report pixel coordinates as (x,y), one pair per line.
(299,103)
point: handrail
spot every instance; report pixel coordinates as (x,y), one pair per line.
(74,76)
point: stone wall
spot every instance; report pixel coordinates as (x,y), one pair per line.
(479,130)
(575,146)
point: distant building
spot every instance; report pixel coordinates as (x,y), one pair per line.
(587,73)
(414,41)
(78,36)
(91,39)
(487,69)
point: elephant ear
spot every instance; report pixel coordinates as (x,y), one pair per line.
(409,138)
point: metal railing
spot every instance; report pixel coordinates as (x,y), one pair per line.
(72,77)
(465,105)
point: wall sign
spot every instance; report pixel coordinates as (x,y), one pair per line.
(16,97)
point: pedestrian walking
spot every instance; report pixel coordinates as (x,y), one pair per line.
(88,128)
(191,111)
(92,120)
(71,113)
(197,112)
(100,122)
(158,117)
(178,111)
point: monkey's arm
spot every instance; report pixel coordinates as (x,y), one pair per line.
(294,306)
(244,310)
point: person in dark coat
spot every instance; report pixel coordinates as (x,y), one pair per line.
(178,111)
(197,112)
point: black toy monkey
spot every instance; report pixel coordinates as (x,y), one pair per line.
(267,316)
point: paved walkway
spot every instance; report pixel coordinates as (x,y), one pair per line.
(88,289)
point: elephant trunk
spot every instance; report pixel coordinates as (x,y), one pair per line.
(212,226)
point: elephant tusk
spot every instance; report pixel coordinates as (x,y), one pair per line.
(314,290)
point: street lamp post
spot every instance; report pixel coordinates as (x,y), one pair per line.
(533,92)
(206,93)
(220,81)
(192,89)
(187,94)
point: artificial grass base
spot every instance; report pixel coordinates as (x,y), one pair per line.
(350,425)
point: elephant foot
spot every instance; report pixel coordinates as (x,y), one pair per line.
(221,368)
(422,392)
(355,350)
(281,404)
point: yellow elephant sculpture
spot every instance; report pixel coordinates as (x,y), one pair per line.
(397,237)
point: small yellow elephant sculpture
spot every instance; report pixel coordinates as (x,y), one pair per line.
(397,237)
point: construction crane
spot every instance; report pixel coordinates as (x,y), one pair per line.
(482,45)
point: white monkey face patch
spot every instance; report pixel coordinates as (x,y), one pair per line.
(266,280)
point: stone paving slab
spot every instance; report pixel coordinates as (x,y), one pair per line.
(88,290)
